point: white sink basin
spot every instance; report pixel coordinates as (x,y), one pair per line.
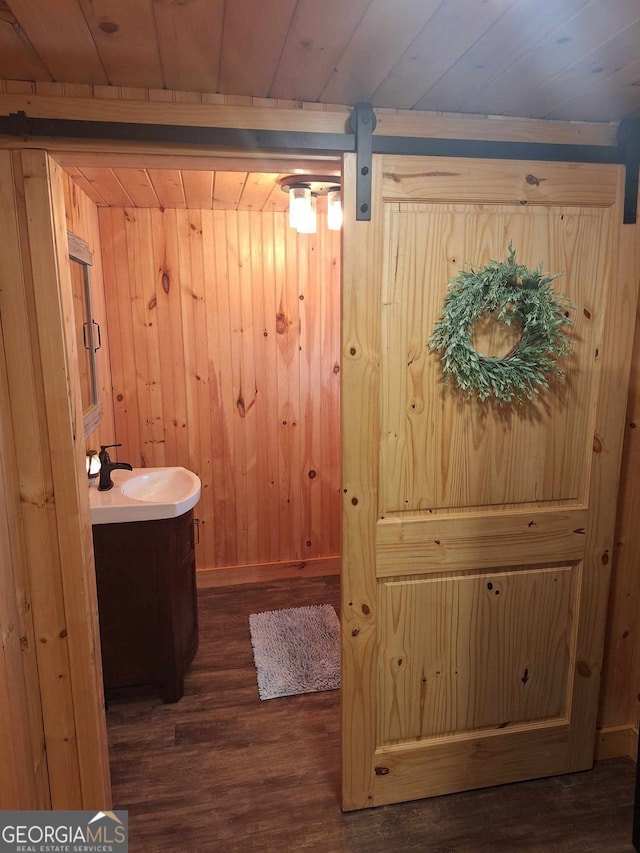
(145,494)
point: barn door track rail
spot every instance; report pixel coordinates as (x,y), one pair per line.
(358,137)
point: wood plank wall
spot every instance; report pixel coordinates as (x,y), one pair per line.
(82,219)
(24,781)
(620,693)
(224,331)
(18,675)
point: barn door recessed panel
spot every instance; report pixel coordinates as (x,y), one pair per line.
(474,651)
(441,451)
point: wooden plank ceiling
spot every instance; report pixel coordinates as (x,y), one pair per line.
(180,188)
(561,59)
(194,189)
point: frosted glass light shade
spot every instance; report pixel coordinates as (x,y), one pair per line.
(334,210)
(309,224)
(93,464)
(299,205)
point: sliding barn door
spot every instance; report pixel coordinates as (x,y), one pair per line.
(477,540)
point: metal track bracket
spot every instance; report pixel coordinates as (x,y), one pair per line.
(363,123)
(628,140)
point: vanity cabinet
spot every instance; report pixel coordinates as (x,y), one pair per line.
(147,603)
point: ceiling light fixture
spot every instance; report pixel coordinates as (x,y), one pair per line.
(334,209)
(303,193)
(307,222)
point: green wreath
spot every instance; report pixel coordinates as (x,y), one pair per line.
(518,296)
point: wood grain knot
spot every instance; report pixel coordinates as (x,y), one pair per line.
(533,181)
(336,368)
(605,558)
(382,771)
(281,324)
(62,634)
(312,474)
(108,27)
(166,281)
(354,501)
(597,444)
(583,669)
(366,609)
(352,351)
(355,632)
(586,313)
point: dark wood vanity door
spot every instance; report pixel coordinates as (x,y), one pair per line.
(128,595)
(147,603)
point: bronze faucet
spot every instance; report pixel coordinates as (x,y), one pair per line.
(107,466)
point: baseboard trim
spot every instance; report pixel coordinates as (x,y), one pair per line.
(264,572)
(616,742)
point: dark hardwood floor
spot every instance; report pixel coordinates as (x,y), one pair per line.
(223,771)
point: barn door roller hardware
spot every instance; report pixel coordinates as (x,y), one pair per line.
(363,123)
(360,139)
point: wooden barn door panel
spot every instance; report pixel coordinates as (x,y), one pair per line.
(476,545)
(483,457)
(486,650)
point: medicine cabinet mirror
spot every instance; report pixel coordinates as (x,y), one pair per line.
(88,340)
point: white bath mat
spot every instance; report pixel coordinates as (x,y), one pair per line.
(296,650)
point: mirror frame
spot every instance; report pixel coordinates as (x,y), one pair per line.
(80,253)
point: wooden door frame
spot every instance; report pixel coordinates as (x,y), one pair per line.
(23,771)
(47,428)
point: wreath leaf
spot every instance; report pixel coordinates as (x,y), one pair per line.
(514,294)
